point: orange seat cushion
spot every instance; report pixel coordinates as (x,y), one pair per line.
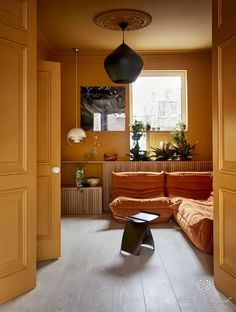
(124,206)
(196,220)
(137,184)
(196,185)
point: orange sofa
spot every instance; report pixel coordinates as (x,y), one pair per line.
(187,196)
(136,191)
(193,210)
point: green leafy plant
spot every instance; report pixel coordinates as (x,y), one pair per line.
(177,148)
(137,129)
(137,126)
(138,155)
(177,135)
(182,149)
(164,152)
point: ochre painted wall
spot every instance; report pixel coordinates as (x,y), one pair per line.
(91,73)
(42,51)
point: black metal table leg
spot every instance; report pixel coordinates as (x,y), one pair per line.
(135,234)
(148,239)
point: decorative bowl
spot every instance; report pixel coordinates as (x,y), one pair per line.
(93,181)
(85,183)
(111,157)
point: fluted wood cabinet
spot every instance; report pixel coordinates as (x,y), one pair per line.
(81,201)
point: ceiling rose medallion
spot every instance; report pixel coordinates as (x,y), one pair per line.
(111,19)
(123,65)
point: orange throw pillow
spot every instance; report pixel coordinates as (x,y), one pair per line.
(137,184)
(196,185)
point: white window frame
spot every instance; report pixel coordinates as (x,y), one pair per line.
(184,98)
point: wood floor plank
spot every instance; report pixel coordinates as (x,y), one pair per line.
(93,276)
(114,280)
(188,269)
(159,295)
(179,269)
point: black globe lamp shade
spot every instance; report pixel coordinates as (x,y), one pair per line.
(123,65)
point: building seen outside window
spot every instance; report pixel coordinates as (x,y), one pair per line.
(160,99)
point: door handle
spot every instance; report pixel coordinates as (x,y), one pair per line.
(56,169)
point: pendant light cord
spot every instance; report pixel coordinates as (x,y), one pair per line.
(76,91)
(123,26)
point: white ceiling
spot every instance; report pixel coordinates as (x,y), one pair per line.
(176,25)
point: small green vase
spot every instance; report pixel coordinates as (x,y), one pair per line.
(79,175)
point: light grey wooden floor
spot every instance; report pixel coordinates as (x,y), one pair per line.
(92,275)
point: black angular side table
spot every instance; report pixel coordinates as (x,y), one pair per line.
(137,232)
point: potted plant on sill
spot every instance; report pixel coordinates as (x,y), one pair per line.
(177,148)
(182,150)
(137,130)
(164,152)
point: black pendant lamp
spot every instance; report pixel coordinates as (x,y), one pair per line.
(123,65)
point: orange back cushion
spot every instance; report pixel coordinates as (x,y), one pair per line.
(196,185)
(137,184)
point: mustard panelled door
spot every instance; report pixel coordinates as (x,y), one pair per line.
(224,143)
(17,147)
(48,161)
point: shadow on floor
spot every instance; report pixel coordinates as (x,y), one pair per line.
(127,265)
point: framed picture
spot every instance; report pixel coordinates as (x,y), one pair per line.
(102,108)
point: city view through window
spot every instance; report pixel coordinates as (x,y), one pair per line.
(159,100)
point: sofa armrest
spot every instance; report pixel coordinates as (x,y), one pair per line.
(125,206)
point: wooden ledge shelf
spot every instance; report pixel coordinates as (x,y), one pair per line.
(208,162)
(82,161)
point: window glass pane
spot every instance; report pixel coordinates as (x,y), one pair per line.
(157,99)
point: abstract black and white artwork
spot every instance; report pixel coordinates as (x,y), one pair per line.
(102,108)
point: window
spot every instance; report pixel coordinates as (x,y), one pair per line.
(160,98)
